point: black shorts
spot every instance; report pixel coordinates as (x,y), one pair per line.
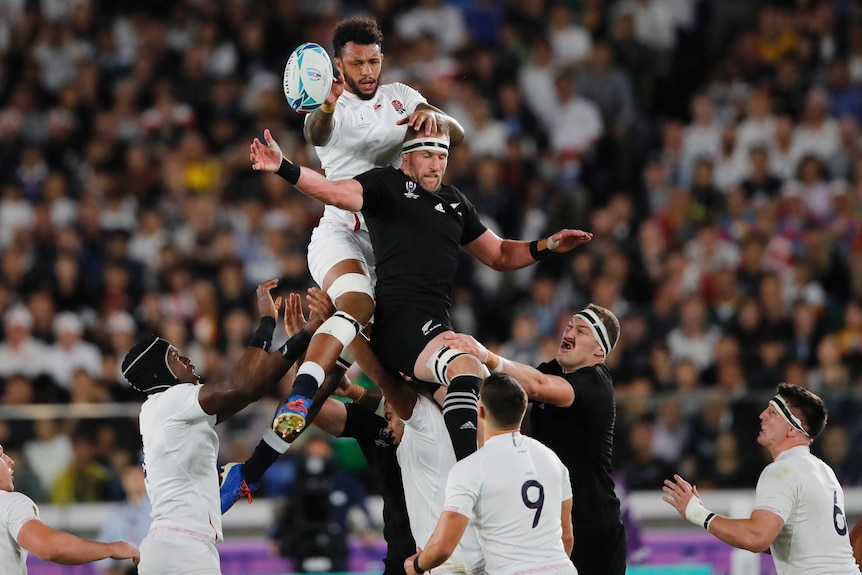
(398,337)
(599,550)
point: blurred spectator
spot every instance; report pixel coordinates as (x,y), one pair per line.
(84,479)
(70,352)
(312,528)
(130,522)
(49,452)
(20,352)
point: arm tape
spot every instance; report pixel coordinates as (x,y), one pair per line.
(262,336)
(295,346)
(536,252)
(289,171)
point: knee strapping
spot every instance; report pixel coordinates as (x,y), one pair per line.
(440,361)
(357,283)
(342,326)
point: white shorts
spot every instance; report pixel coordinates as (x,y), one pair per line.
(332,243)
(172,552)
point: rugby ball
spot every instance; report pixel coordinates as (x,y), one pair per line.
(307,77)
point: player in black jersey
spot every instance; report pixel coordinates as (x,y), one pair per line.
(574,413)
(416,224)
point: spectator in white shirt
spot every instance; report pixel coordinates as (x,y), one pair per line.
(20,352)
(70,352)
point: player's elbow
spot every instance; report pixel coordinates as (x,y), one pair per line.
(568,541)
(757,543)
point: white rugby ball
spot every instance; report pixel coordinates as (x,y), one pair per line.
(307,77)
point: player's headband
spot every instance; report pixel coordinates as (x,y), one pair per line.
(599,330)
(426,143)
(784,410)
(148,370)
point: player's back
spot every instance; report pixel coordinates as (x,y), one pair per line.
(814,539)
(366,135)
(520,486)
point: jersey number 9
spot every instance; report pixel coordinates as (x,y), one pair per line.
(536,503)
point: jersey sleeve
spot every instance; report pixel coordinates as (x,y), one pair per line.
(410,97)
(180,403)
(421,413)
(567,480)
(361,424)
(462,490)
(17,509)
(777,489)
(373,188)
(473,226)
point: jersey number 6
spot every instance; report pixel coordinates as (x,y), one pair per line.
(536,503)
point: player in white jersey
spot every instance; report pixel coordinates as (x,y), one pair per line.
(361,126)
(22,532)
(180,444)
(516,491)
(799,505)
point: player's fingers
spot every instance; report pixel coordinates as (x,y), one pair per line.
(267,135)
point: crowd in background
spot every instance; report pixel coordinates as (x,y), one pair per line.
(711,146)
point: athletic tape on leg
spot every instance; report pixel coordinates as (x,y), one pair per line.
(357,283)
(440,360)
(342,326)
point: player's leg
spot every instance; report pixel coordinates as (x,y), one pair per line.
(337,260)
(462,374)
(240,480)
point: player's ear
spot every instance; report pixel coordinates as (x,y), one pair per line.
(481,411)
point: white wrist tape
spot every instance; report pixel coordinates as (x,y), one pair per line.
(551,244)
(696,513)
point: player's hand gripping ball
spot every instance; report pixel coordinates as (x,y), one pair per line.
(307,77)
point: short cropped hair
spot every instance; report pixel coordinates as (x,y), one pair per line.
(504,399)
(609,320)
(814,414)
(360,30)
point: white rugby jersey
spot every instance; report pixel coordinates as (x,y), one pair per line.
(513,490)
(365,135)
(180,450)
(804,492)
(425,455)
(16,509)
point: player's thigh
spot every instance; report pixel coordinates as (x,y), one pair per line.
(401,336)
(175,553)
(332,244)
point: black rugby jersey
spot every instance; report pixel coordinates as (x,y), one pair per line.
(369,431)
(582,436)
(415,235)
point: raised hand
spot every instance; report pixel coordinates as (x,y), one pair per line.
(294,320)
(266,306)
(467,343)
(321,308)
(680,493)
(567,240)
(421,119)
(266,158)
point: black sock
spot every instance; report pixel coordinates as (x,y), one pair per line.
(305,385)
(261,460)
(461,413)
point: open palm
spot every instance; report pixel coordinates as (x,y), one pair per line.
(263,157)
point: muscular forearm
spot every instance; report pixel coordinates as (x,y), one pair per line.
(345,194)
(67,549)
(515,255)
(318,126)
(740,533)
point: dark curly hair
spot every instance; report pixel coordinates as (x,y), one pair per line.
(814,414)
(360,30)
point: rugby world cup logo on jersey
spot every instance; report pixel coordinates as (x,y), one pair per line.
(411,188)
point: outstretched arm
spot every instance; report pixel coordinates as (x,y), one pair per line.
(539,386)
(505,255)
(346,194)
(754,534)
(60,547)
(257,370)
(320,123)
